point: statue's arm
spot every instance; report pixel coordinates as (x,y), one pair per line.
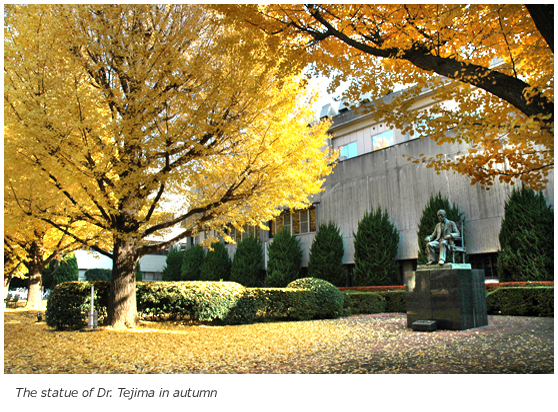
(432,236)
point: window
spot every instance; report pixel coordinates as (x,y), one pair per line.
(383,140)
(349,150)
(304,221)
(287,222)
(486,261)
(301,221)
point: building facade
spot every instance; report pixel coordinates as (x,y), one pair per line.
(372,172)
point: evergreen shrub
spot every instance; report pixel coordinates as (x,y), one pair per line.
(284,260)
(69,303)
(92,275)
(526,238)
(217,264)
(173,265)
(396,301)
(193,260)
(326,255)
(64,270)
(521,301)
(329,299)
(248,262)
(376,244)
(429,220)
(364,303)
(283,303)
(197,300)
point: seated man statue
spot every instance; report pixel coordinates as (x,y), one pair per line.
(439,241)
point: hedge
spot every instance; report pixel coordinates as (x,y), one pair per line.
(491,287)
(396,301)
(232,303)
(521,301)
(199,301)
(373,288)
(364,303)
(69,303)
(328,299)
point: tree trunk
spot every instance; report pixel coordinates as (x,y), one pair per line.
(122,310)
(34,295)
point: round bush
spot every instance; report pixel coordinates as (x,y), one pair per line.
(329,299)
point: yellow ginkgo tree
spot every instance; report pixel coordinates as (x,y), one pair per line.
(36,227)
(152,119)
(491,65)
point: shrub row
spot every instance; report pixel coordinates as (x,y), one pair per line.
(521,301)
(373,288)
(220,302)
(231,303)
(491,287)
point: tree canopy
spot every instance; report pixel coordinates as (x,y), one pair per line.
(149,118)
(492,67)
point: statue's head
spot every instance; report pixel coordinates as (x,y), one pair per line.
(441,215)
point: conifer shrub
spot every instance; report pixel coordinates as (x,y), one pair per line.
(217,264)
(60,271)
(193,260)
(326,255)
(284,260)
(92,275)
(376,243)
(248,262)
(526,238)
(329,299)
(429,220)
(173,265)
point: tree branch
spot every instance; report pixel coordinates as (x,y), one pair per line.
(508,88)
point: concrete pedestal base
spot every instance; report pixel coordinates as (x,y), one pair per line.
(453,295)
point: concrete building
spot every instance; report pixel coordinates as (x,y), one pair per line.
(151,266)
(372,172)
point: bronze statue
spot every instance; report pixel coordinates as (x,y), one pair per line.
(439,241)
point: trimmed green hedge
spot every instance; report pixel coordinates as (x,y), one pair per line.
(328,299)
(232,303)
(199,301)
(69,303)
(521,301)
(364,303)
(283,303)
(396,301)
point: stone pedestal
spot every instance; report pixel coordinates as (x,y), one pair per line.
(453,295)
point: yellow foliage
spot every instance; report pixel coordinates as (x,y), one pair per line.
(146,118)
(443,47)
(135,106)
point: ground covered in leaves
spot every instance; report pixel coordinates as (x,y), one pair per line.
(359,344)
